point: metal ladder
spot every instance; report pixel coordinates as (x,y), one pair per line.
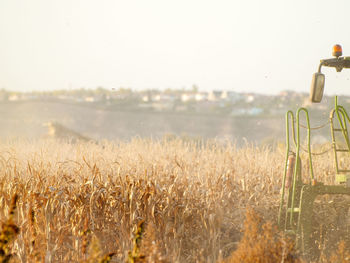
(343,118)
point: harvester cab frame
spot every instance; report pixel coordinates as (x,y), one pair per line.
(297,197)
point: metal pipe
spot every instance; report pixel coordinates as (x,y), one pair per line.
(289,113)
(320,66)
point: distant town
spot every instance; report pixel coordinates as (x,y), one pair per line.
(171,100)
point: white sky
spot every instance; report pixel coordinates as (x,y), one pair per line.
(260,46)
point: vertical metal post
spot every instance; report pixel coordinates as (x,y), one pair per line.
(289,113)
(331,116)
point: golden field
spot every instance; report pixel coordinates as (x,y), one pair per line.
(80,202)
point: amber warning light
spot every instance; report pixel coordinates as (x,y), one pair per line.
(337,51)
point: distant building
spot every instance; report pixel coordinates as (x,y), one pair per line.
(13,97)
(214,95)
(163,97)
(230,96)
(145,98)
(188,97)
(217,95)
(201,96)
(249,98)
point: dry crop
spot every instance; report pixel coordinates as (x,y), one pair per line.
(84,202)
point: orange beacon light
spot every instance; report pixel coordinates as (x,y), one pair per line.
(337,51)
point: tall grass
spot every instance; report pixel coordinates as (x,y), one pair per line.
(192,198)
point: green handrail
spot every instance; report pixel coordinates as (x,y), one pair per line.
(297,158)
(290,115)
(344,117)
(308,138)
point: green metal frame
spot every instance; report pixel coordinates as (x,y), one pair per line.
(298,206)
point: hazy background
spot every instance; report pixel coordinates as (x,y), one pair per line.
(242,46)
(261,46)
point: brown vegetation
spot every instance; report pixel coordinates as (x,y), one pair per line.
(82,202)
(263,243)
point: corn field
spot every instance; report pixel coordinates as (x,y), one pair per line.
(149,201)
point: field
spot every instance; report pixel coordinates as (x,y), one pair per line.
(151,201)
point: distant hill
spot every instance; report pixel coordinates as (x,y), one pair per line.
(26,118)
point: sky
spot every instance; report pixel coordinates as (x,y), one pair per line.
(244,46)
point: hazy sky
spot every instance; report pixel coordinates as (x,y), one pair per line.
(261,46)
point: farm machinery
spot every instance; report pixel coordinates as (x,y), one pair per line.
(299,191)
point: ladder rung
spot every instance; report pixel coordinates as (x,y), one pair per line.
(343,171)
(295,210)
(341,150)
(340,130)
